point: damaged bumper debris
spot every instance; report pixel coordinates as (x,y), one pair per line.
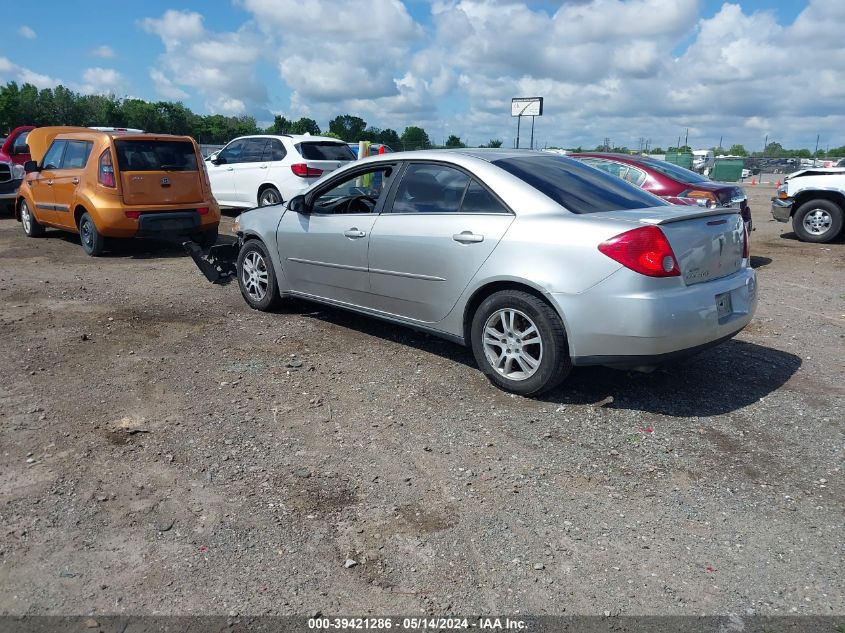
(219,265)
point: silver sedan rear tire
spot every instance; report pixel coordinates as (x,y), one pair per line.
(519,342)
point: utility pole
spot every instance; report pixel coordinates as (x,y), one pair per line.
(532,133)
(765,144)
(816,153)
(720,143)
(686,138)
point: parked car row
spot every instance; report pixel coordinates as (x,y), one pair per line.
(538,262)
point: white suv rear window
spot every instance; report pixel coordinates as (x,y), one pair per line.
(324,150)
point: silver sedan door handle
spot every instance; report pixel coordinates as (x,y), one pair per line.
(354,233)
(230,169)
(467,237)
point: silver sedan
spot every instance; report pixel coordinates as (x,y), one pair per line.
(536,261)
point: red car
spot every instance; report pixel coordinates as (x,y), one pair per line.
(15,149)
(13,154)
(672,183)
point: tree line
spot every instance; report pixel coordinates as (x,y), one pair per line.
(27,105)
(772,150)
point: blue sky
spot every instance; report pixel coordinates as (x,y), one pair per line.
(619,68)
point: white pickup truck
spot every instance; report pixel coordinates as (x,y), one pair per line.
(814,199)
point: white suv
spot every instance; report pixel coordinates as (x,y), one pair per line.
(268,169)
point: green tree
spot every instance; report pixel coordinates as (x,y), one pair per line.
(305,126)
(737,150)
(390,138)
(415,138)
(349,128)
(9,106)
(28,106)
(280,126)
(773,150)
(454,141)
(494,142)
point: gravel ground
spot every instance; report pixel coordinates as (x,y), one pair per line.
(167,450)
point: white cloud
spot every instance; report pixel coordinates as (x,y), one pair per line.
(329,51)
(27,32)
(10,71)
(166,88)
(102,81)
(106,52)
(227,106)
(610,68)
(622,69)
(221,67)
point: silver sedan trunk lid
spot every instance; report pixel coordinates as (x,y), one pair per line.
(708,244)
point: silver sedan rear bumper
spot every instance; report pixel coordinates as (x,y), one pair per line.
(623,325)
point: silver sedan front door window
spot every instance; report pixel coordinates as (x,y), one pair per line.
(324,251)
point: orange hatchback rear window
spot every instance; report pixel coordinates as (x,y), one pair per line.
(155,155)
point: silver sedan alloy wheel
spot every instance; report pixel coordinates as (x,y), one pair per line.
(254,275)
(512,344)
(26,217)
(817,221)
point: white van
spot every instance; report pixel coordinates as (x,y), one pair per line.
(702,160)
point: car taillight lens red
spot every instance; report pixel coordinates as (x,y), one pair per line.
(644,250)
(304,171)
(132,215)
(202,210)
(106,171)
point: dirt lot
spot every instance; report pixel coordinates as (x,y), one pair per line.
(165,449)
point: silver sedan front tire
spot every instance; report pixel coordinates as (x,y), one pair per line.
(256,277)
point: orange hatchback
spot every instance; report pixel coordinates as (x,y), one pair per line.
(119,184)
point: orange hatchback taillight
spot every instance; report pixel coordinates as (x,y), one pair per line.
(105,173)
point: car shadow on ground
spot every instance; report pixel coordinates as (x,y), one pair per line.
(719,380)
(137,248)
(759,262)
(790,235)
